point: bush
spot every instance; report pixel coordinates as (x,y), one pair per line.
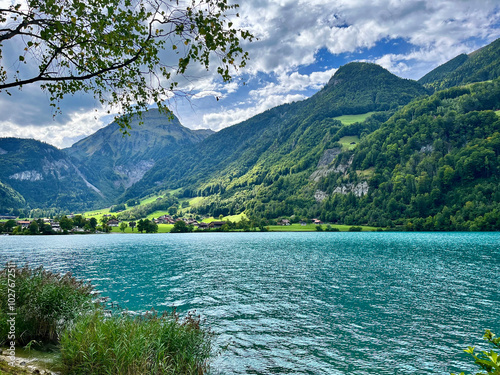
(355,229)
(45,304)
(153,344)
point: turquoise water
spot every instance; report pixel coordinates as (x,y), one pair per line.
(301,303)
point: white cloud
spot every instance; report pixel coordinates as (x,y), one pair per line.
(60,135)
(222,119)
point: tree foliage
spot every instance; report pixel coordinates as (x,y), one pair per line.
(488,361)
(127,53)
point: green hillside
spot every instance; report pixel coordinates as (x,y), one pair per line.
(268,159)
(42,176)
(435,164)
(481,65)
(10,199)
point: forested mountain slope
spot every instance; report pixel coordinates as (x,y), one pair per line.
(480,65)
(288,137)
(37,175)
(435,165)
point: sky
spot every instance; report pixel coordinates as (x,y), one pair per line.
(300,46)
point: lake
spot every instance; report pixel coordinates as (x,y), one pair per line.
(300,303)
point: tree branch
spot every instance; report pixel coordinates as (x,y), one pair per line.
(42,78)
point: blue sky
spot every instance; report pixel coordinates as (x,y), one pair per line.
(300,46)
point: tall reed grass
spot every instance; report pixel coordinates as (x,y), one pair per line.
(45,303)
(122,345)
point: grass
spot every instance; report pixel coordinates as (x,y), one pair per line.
(351,119)
(367,173)
(151,344)
(233,218)
(98,214)
(193,202)
(45,303)
(312,228)
(162,228)
(347,140)
(497,113)
(156,214)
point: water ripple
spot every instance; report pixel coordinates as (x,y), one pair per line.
(301,303)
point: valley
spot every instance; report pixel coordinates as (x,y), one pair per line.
(369,149)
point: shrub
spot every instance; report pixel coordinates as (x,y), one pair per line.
(152,344)
(355,229)
(45,303)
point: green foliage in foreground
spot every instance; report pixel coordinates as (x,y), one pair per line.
(153,344)
(45,304)
(488,361)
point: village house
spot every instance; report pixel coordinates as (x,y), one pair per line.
(165,219)
(303,223)
(284,222)
(216,224)
(23,223)
(113,223)
(317,221)
(202,226)
(7,217)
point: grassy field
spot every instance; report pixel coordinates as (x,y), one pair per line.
(105,211)
(347,140)
(162,228)
(367,173)
(498,113)
(312,228)
(232,218)
(351,119)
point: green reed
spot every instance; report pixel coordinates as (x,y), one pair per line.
(45,302)
(122,345)
(59,310)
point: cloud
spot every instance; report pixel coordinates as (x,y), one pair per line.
(60,135)
(284,65)
(292,32)
(223,119)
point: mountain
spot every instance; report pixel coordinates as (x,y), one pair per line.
(287,138)
(434,165)
(419,161)
(112,161)
(39,175)
(480,65)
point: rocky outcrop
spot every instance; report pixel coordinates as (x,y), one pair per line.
(27,176)
(320,196)
(133,173)
(358,189)
(324,167)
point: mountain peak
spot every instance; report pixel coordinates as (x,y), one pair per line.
(361,87)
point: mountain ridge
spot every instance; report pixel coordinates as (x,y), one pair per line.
(300,160)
